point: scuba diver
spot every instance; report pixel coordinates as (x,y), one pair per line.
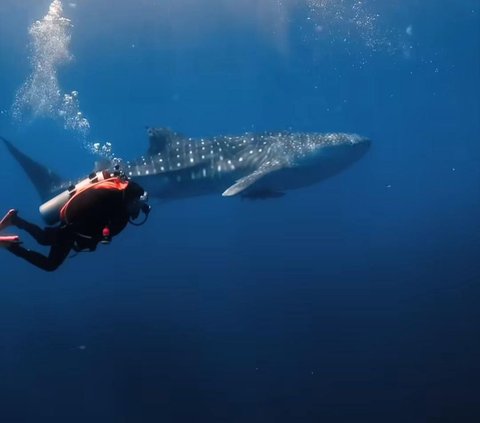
(91,212)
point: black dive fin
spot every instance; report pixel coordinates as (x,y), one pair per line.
(45,181)
(159,138)
(9,240)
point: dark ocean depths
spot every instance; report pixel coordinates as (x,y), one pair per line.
(354,300)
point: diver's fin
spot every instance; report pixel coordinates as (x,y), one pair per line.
(7,219)
(253,177)
(44,180)
(159,138)
(8,240)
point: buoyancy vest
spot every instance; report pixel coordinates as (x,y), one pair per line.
(92,209)
(94,199)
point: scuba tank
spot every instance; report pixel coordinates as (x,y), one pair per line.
(50,210)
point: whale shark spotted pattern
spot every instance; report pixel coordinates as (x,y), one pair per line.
(239,164)
(251,165)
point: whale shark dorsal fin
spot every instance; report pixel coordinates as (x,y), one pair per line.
(45,181)
(102,164)
(159,138)
(247,181)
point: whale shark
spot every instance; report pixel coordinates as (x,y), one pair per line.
(251,165)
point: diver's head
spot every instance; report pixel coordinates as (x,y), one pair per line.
(137,201)
(137,205)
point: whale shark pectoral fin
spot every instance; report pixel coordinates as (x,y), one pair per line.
(247,181)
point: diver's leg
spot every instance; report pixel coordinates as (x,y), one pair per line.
(58,254)
(45,236)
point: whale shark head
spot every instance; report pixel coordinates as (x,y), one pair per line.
(332,150)
(314,157)
(296,160)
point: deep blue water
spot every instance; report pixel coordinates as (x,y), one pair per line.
(354,300)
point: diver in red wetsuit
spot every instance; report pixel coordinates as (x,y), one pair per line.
(91,215)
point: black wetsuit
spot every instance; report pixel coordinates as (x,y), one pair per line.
(60,239)
(96,210)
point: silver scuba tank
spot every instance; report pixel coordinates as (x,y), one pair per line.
(50,210)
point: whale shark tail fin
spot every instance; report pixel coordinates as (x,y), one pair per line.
(45,181)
